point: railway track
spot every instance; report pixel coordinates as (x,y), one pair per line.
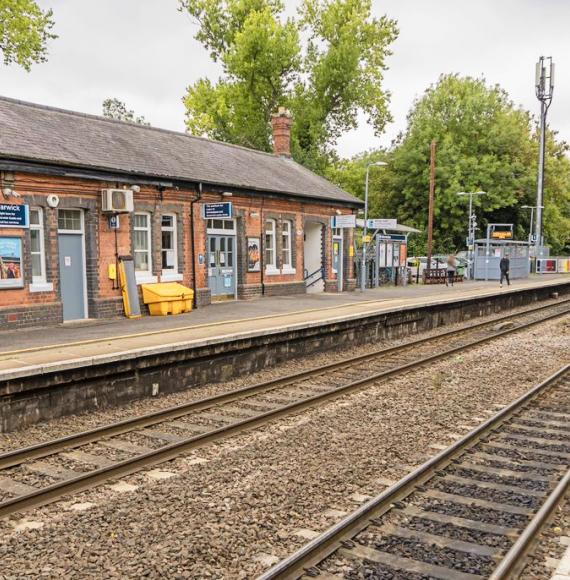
(45,472)
(471,512)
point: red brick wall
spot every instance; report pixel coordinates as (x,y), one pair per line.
(250,211)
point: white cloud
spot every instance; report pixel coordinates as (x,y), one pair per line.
(143,52)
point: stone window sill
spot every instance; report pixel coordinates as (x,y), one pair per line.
(145,278)
(41,287)
(171,277)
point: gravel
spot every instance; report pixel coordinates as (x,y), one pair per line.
(435,555)
(491,477)
(254,491)
(488,516)
(507,497)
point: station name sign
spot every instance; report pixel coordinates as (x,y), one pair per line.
(14,215)
(343,221)
(381,224)
(392,237)
(218,210)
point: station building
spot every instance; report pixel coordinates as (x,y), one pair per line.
(77,192)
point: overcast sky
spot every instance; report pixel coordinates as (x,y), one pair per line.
(143,52)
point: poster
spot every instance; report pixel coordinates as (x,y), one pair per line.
(11,262)
(253,255)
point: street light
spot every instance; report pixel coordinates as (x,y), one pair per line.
(365,230)
(544,86)
(472,226)
(532,208)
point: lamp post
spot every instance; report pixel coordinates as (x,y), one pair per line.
(544,86)
(532,208)
(365,229)
(472,226)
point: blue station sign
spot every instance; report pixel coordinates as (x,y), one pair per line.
(393,237)
(14,215)
(221,209)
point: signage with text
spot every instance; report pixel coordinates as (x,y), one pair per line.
(14,215)
(381,224)
(222,209)
(392,237)
(343,221)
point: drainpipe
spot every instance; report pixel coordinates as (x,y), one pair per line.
(262,246)
(192,254)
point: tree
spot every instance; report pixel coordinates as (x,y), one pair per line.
(326,65)
(24,32)
(484,143)
(116,109)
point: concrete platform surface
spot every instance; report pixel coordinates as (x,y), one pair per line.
(36,351)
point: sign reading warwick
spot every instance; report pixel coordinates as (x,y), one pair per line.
(14,215)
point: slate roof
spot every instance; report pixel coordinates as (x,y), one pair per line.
(38,133)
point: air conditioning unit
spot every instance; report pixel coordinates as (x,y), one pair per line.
(117,200)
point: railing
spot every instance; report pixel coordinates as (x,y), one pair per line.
(320,271)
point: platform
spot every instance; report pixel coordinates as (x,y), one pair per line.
(38,351)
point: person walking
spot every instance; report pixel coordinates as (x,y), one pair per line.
(451,269)
(505,266)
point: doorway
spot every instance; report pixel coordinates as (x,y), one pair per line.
(337,260)
(72,273)
(313,254)
(221,244)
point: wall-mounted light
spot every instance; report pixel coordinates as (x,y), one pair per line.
(136,188)
(337,211)
(227,194)
(9,192)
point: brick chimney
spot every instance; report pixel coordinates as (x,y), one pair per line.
(281,123)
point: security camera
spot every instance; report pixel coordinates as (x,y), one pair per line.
(7,192)
(136,188)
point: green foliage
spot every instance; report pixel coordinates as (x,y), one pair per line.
(24,32)
(483,143)
(116,109)
(325,65)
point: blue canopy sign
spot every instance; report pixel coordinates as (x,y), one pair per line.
(218,210)
(14,215)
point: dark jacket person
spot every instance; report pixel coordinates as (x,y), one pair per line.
(505,266)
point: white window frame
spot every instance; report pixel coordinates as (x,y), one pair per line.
(270,267)
(229,228)
(287,248)
(144,276)
(170,274)
(39,283)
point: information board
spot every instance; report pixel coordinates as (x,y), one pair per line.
(221,209)
(14,215)
(381,224)
(343,221)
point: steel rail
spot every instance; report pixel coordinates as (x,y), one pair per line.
(327,543)
(17,456)
(131,465)
(513,562)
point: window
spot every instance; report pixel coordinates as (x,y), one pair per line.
(270,245)
(142,243)
(69,220)
(169,250)
(37,249)
(222,226)
(286,244)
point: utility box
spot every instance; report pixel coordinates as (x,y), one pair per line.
(167,298)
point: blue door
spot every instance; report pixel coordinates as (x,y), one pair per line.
(72,267)
(221,269)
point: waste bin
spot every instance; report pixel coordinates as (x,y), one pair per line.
(167,298)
